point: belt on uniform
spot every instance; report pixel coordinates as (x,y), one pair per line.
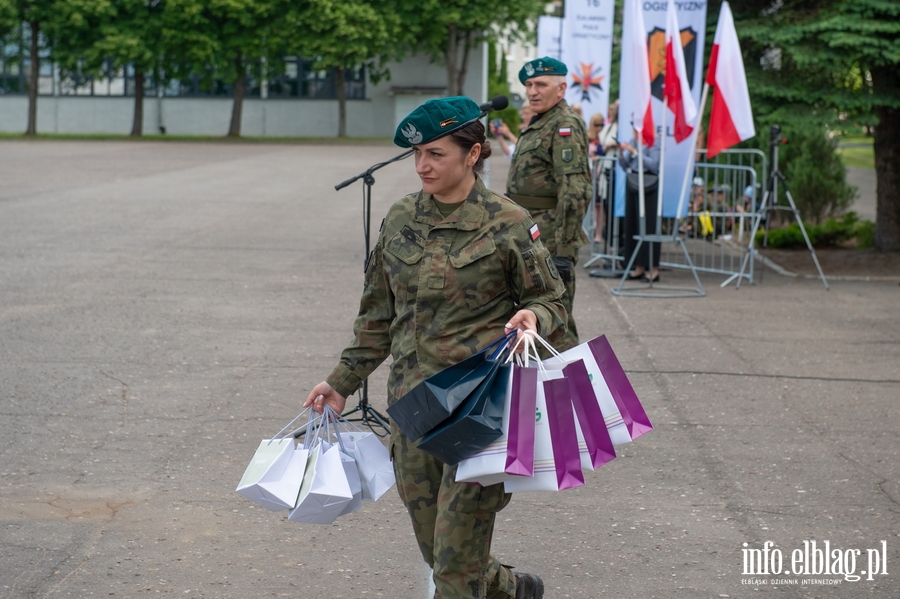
(533,202)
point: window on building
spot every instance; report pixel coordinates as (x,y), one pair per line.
(298,81)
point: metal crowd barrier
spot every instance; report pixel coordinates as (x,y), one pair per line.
(717,226)
(601,215)
(723,199)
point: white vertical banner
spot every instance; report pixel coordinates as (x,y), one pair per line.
(692,23)
(549,42)
(587,52)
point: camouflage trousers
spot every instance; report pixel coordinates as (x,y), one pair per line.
(453,523)
(570,339)
(546,221)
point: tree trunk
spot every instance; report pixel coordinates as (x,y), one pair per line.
(464,62)
(235,129)
(137,127)
(887,157)
(887,177)
(341,83)
(33,79)
(450,59)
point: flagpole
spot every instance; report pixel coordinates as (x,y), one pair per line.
(662,163)
(641,209)
(693,155)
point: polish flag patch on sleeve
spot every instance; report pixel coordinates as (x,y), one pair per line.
(565,131)
(534,232)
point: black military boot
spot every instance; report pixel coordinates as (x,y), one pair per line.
(529,586)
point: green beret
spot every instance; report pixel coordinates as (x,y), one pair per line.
(542,66)
(435,119)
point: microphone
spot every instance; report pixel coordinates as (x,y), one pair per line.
(496,103)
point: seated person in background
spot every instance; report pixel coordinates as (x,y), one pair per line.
(698,193)
(720,201)
(719,198)
(747,200)
(695,205)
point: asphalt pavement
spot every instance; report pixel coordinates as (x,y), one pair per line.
(165,306)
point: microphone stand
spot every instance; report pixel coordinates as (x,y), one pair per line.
(367,414)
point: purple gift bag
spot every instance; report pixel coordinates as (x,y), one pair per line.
(520,438)
(590,418)
(563,434)
(636,420)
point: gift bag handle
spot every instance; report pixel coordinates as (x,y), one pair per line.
(523,359)
(313,434)
(499,351)
(297,432)
(331,416)
(543,342)
(340,421)
(531,351)
(288,425)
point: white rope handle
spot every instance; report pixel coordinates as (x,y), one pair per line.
(531,351)
(519,341)
(546,345)
(288,425)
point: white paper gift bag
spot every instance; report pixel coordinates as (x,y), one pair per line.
(374,461)
(325,491)
(544,478)
(273,477)
(351,470)
(625,417)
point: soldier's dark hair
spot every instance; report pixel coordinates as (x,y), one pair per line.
(468,136)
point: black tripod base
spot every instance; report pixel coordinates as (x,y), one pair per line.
(368,416)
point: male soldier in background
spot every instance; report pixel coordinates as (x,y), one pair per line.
(550,176)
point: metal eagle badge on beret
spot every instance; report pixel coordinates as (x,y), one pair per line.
(435,119)
(412,135)
(542,66)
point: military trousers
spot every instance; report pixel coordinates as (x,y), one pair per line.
(453,524)
(546,221)
(570,339)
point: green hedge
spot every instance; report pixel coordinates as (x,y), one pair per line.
(834,232)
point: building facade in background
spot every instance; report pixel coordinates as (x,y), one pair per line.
(301,102)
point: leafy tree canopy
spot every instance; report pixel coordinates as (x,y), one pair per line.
(347,33)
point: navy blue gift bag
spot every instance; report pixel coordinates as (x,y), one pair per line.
(433,400)
(477,423)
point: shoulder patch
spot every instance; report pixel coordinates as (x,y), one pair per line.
(565,131)
(535,232)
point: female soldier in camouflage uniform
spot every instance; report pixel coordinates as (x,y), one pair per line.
(455,266)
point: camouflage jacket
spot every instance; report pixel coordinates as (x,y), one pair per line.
(551,161)
(439,289)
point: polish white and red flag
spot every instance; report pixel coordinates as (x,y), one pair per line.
(731,121)
(637,63)
(677,86)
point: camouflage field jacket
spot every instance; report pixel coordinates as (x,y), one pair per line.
(439,289)
(551,161)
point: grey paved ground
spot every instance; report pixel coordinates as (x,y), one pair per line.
(163,307)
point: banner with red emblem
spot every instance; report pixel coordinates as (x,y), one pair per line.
(691,25)
(587,51)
